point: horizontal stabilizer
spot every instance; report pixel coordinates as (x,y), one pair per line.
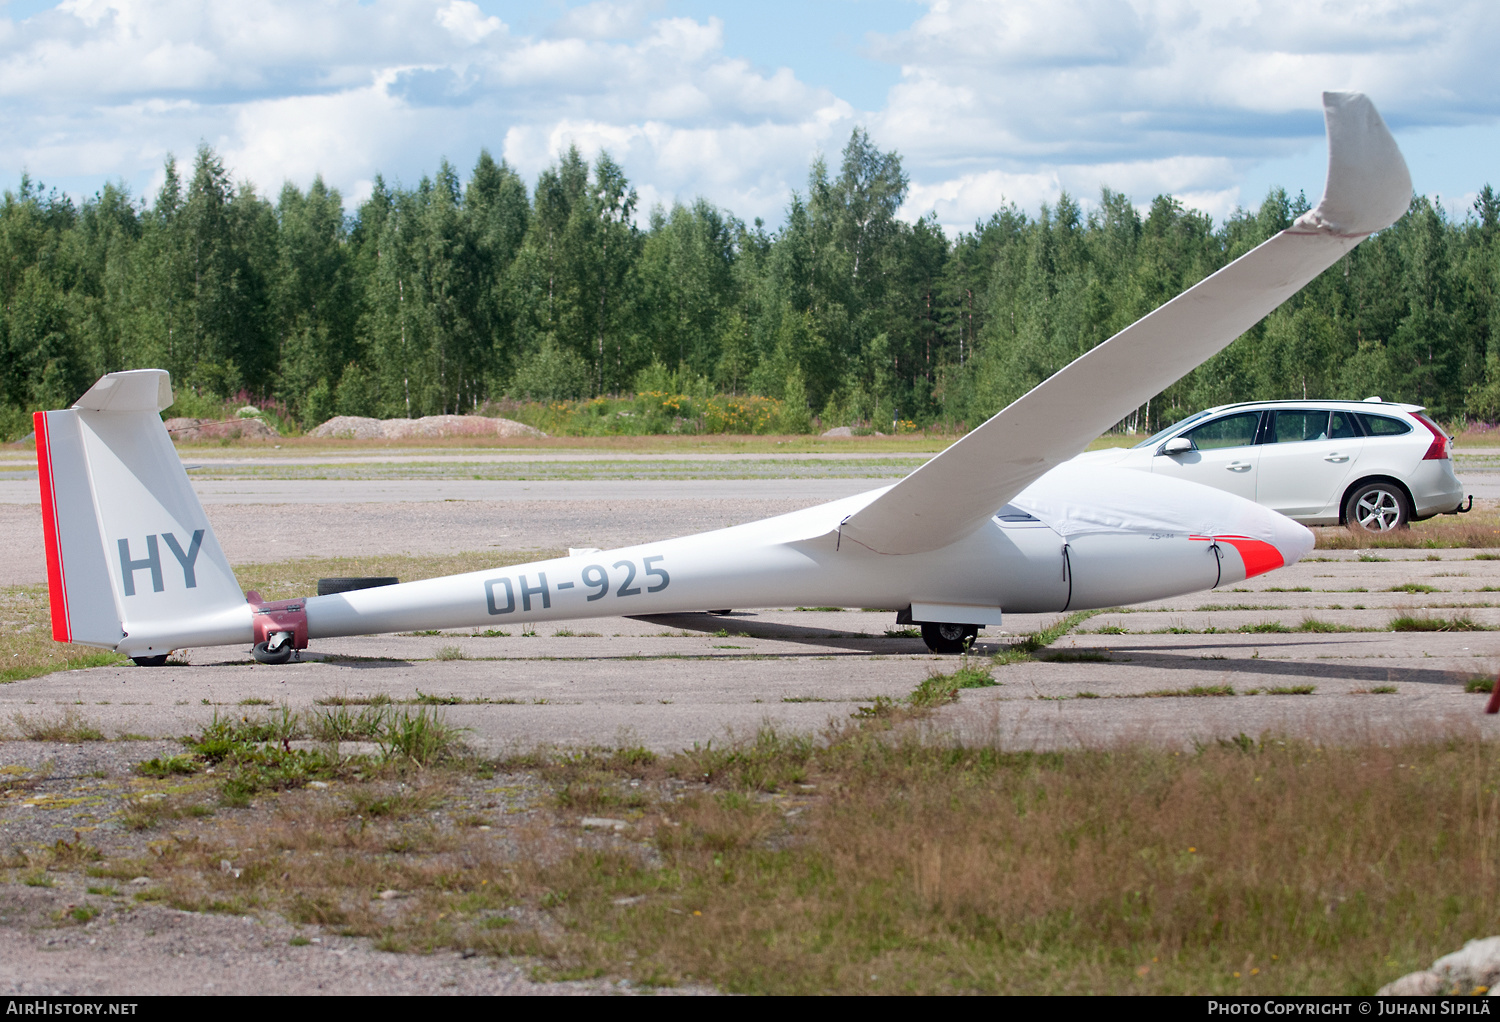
(135,390)
(1368,188)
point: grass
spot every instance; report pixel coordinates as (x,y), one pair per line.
(942,869)
(938,689)
(1313,624)
(26,646)
(1479,528)
(1433,623)
(1483,685)
(882,857)
(1023,649)
(70,726)
(253,755)
(340,723)
(1197,691)
(423,737)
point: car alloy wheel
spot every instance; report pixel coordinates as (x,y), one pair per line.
(1377,508)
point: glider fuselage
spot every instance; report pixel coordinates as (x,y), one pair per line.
(1017,563)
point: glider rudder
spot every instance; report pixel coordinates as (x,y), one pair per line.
(132,563)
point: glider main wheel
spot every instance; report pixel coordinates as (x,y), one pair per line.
(329,586)
(944,638)
(150,661)
(265,654)
(1377,507)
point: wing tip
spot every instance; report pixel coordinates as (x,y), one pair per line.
(1368,186)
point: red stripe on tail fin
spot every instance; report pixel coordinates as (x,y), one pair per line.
(56,586)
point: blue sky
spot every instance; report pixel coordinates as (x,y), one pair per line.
(988,101)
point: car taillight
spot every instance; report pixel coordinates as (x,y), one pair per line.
(1438,451)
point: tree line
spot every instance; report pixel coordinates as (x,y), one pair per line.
(442,297)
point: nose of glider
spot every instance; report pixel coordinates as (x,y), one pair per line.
(1294,541)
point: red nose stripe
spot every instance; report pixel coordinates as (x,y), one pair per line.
(1259,556)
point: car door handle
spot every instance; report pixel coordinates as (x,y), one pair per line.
(1337,457)
(1238,466)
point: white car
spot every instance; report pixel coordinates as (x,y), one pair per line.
(1371,464)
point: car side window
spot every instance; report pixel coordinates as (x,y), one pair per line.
(1341,426)
(1294,427)
(1230,431)
(1384,425)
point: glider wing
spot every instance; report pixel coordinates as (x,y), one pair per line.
(1368,188)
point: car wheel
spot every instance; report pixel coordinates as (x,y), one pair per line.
(944,638)
(1377,507)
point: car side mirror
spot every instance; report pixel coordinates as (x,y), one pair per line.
(1176,445)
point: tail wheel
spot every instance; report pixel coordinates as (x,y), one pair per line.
(150,661)
(275,650)
(1377,507)
(945,638)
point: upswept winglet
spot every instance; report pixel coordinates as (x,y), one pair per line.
(1368,189)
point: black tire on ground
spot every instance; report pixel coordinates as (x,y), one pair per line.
(280,655)
(150,661)
(329,586)
(1377,507)
(945,638)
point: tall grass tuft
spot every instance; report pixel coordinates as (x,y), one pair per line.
(71,726)
(424,737)
(1432,623)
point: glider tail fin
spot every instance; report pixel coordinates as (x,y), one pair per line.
(132,563)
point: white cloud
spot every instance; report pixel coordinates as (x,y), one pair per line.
(286,90)
(466,21)
(1151,96)
(997,99)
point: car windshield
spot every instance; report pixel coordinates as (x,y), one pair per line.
(1161,435)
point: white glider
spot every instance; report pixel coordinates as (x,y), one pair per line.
(990,525)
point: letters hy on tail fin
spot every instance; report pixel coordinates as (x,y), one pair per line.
(130,553)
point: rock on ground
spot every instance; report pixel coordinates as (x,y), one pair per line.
(359,427)
(209,429)
(1476,965)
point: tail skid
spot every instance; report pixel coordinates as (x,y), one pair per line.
(132,562)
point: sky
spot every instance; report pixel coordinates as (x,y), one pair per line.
(987,101)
